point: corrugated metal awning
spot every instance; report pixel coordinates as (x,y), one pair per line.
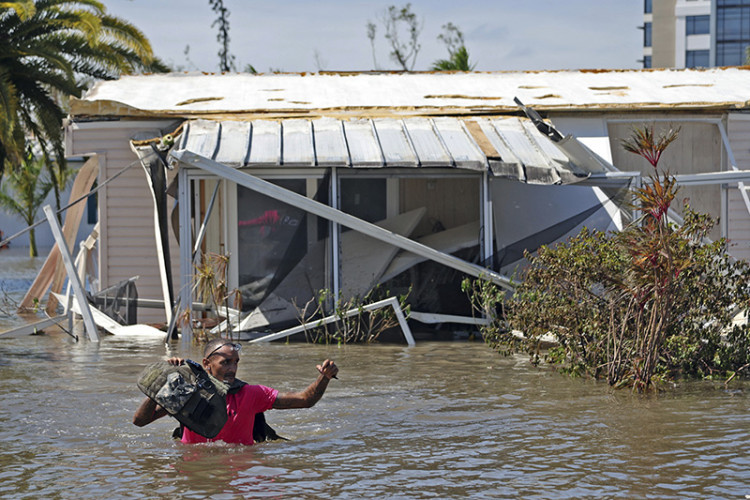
(509,147)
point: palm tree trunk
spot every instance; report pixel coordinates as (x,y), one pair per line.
(32,244)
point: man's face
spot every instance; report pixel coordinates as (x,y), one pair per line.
(222,364)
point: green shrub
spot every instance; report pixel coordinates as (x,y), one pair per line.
(649,303)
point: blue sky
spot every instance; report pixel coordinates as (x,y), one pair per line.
(309,35)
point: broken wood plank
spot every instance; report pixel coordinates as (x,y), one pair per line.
(33,328)
(52,271)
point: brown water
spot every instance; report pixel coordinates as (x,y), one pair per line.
(440,420)
(17,273)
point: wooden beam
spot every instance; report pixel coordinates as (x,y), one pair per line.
(32,328)
(52,272)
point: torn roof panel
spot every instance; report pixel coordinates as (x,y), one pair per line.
(297,143)
(266,143)
(515,148)
(330,143)
(395,143)
(412,94)
(364,147)
(461,145)
(428,147)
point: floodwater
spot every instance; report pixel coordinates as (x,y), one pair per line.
(439,420)
(17,273)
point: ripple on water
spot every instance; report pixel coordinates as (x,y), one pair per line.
(429,422)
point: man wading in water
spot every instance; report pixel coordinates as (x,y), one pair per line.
(244,401)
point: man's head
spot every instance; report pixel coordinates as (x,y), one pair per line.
(220,359)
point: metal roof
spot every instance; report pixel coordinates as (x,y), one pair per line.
(372,95)
(510,147)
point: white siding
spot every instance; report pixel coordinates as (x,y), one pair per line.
(738,129)
(127,246)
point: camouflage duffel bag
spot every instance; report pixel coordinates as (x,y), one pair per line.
(188,393)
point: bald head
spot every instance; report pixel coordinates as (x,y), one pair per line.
(213,345)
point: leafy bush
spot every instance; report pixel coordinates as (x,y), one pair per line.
(650,303)
(353,323)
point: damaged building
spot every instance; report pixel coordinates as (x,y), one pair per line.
(404,182)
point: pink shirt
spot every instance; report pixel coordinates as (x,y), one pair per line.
(241,409)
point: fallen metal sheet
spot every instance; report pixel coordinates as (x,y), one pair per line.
(364,259)
(433,318)
(103,321)
(448,241)
(389,302)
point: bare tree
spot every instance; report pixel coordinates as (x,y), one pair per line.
(320,63)
(399,24)
(226,59)
(372,30)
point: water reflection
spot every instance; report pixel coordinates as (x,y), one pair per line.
(17,273)
(446,420)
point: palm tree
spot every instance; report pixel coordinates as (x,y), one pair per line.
(24,192)
(459,61)
(458,56)
(47,48)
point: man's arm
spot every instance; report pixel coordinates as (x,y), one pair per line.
(313,393)
(148,412)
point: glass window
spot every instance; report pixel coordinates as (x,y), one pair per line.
(646,61)
(364,198)
(732,32)
(281,251)
(696,59)
(729,24)
(697,25)
(731,54)
(647,35)
(92,208)
(648,6)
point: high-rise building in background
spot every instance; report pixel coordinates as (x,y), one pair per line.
(695,33)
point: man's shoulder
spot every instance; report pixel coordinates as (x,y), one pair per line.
(258,395)
(254,389)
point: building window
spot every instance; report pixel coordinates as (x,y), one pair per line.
(731,23)
(647,35)
(697,25)
(648,6)
(696,59)
(92,209)
(364,198)
(731,54)
(646,62)
(732,32)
